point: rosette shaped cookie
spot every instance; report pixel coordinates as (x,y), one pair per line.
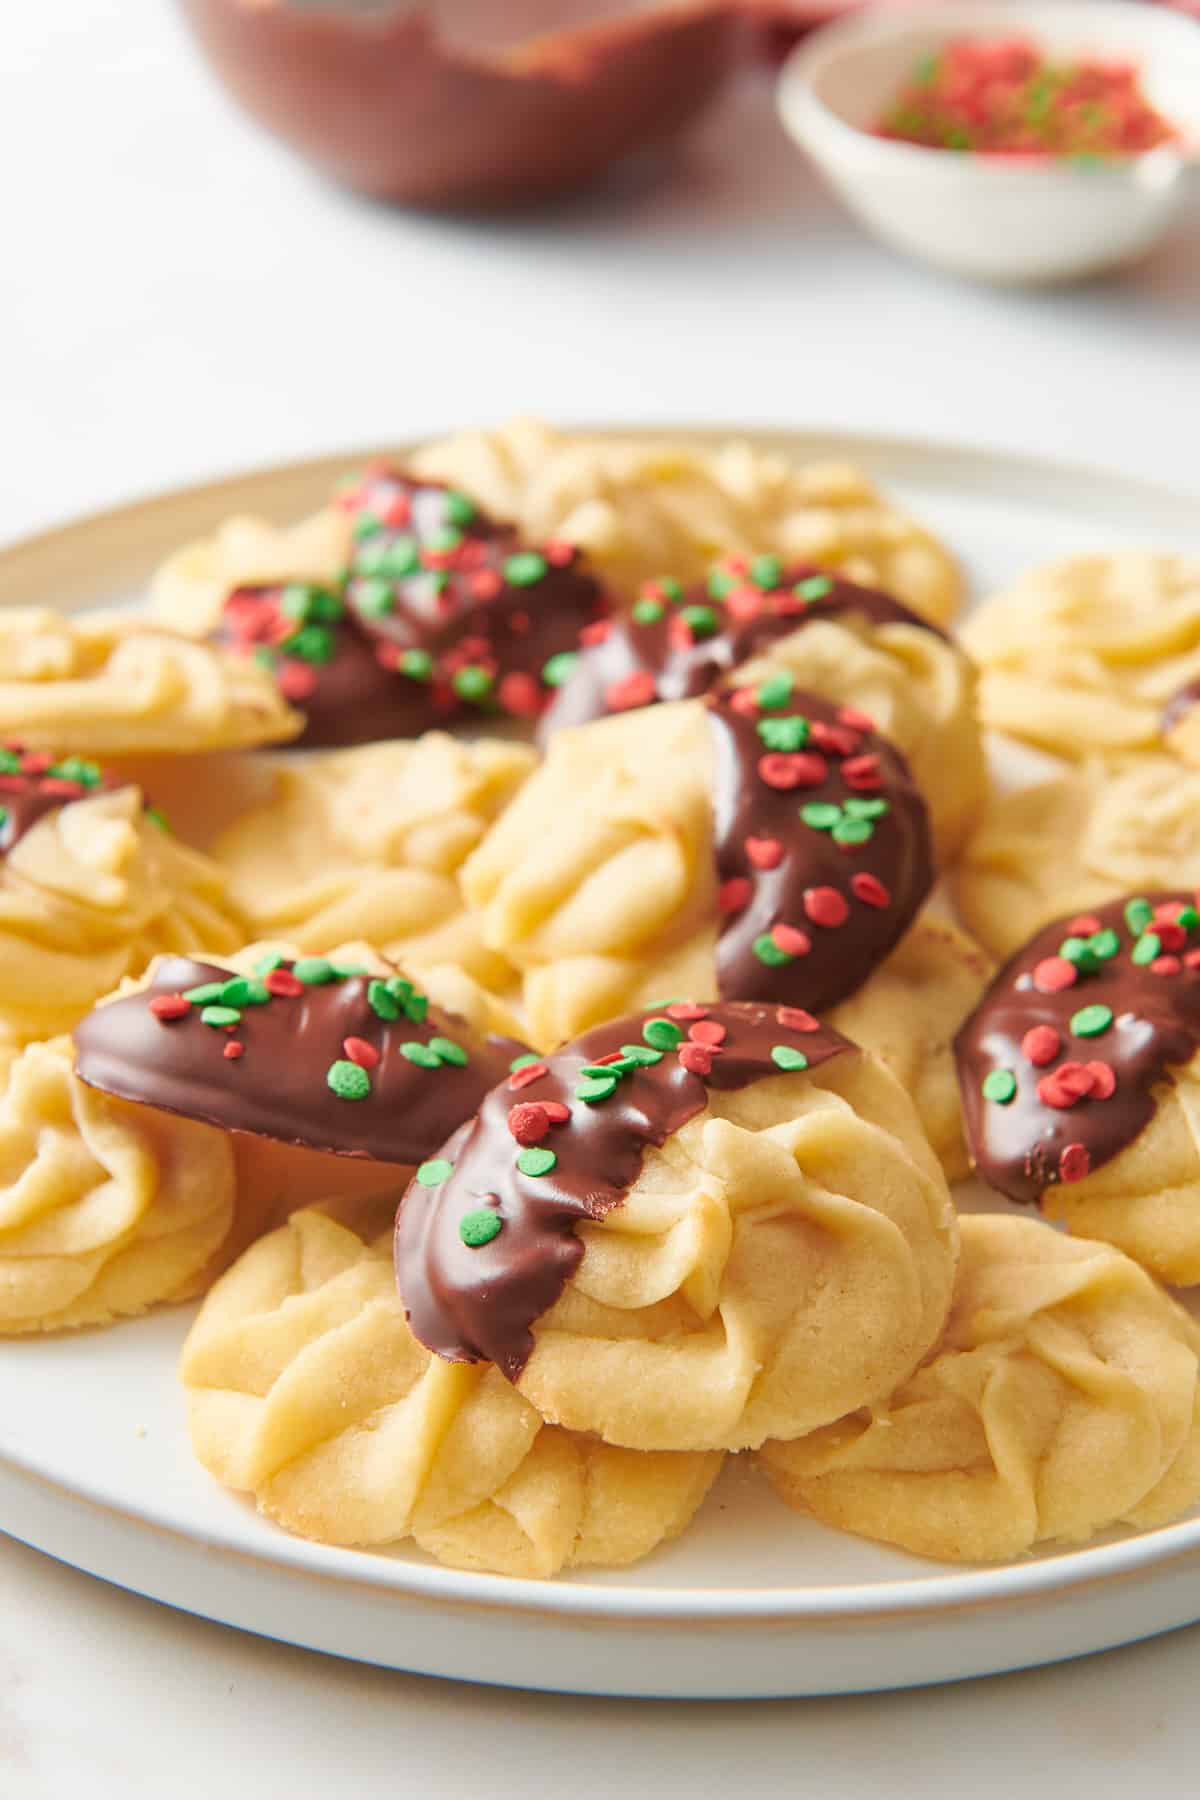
(91,887)
(307,1389)
(1081,1080)
(333,1076)
(686,1231)
(106,685)
(1096,832)
(765,844)
(1062,1400)
(105,1209)
(642,508)
(1086,655)
(364,844)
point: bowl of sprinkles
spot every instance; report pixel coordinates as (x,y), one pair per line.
(1010,143)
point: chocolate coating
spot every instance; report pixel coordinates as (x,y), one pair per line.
(278,1086)
(1047,1132)
(34,783)
(479,1304)
(1180,705)
(641,659)
(808,911)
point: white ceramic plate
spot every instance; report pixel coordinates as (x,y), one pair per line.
(94,1462)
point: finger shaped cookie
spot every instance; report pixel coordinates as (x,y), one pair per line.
(91,886)
(365,844)
(1086,655)
(105,685)
(1079,1078)
(306,1388)
(642,508)
(758,619)
(686,1231)
(334,1076)
(1062,1400)
(1085,837)
(765,844)
(104,1211)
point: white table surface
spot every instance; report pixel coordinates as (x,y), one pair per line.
(177,298)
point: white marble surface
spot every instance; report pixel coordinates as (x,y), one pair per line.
(177,297)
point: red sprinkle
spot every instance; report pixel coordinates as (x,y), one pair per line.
(708,1031)
(35,762)
(396,511)
(612,1057)
(1074,1163)
(232,1051)
(1192,959)
(743,603)
(862,772)
(679,633)
(1053,974)
(520,695)
(52,784)
(529,1122)
(521,1078)
(794,1018)
(734,895)
(1165,965)
(825,906)
(764,853)
(638,689)
(790,939)
(697,1059)
(1170,935)
(686,1009)
(1104,1081)
(595,633)
(485,584)
(556,1111)
(170,1006)
(558,553)
(857,720)
(1084,926)
(839,740)
(296,680)
(744,701)
(1168,911)
(870,890)
(1066,1085)
(1040,1045)
(359,1051)
(283,984)
(520,621)
(792,769)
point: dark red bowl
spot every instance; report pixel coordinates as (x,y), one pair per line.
(382,102)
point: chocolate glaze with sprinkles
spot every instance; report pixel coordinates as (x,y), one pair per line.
(473,1295)
(33,783)
(677,644)
(822,845)
(470,620)
(1059,1062)
(305,1074)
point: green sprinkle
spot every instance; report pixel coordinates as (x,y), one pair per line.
(449,1052)
(208,990)
(325,607)
(784,734)
(157,819)
(601,1071)
(77,768)
(1189,918)
(775,691)
(445,539)
(720,584)
(526,569)
(784,1057)
(414,1006)
(702,621)
(417,665)
(1146,949)
(642,1056)
(460,508)
(536,1161)
(853,831)
(346,971)
(479,1227)
(374,597)
(662,1034)
(366,525)
(399,559)
(383,1004)
(314,971)
(926,70)
(671,588)
(296,601)
(10,763)
(821,815)
(472,683)
(1091,1021)
(768,951)
(312,643)
(264,656)
(348,1081)
(524,1062)
(1000,1085)
(560,668)
(267,965)
(424,1055)
(3,817)
(596,1088)
(430,1174)
(1104,944)
(866,809)
(243,990)
(648,612)
(813,587)
(1078,950)
(220,1015)
(766,572)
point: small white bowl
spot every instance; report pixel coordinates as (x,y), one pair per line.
(989,217)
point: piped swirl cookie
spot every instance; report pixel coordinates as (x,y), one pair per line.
(1061,1400)
(689,1230)
(767,843)
(306,1388)
(760,618)
(1079,1078)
